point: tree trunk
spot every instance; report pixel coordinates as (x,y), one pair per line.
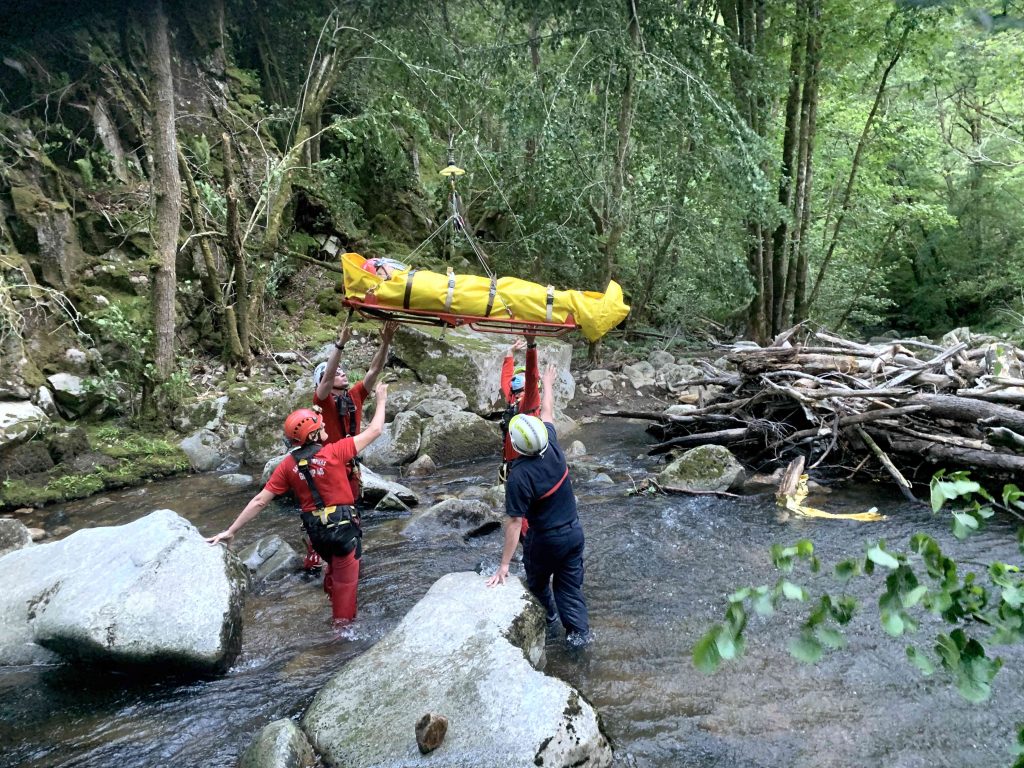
(624,127)
(224,321)
(800,255)
(166,186)
(786,180)
(745,20)
(844,204)
(236,302)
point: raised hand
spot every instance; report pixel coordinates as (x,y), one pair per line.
(549,376)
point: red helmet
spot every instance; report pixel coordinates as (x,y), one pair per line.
(301,424)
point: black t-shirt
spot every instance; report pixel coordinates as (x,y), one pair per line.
(530,477)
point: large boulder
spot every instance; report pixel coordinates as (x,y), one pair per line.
(409,396)
(151,593)
(459,436)
(71,395)
(398,444)
(464,517)
(466,652)
(705,468)
(203,449)
(473,361)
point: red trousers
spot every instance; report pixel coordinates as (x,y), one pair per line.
(341,577)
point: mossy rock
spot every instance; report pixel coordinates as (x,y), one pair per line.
(94,233)
(705,468)
(118,458)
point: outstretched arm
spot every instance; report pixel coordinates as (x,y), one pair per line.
(376,426)
(508,366)
(253,508)
(323,389)
(531,397)
(377,364)
(547,399)
(513,525)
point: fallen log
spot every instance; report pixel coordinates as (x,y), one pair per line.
(720,437)
(969,410)
(1004,463)
(902,482)
(858,418)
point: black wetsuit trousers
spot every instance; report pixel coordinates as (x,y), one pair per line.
(554,574)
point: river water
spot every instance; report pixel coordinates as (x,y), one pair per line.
(658,571)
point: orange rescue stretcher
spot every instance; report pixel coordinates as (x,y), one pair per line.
(389,290)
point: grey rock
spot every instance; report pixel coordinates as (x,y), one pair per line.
(484,644)
(376,487)
(70,394)
(270,466)
(659,359)
(598,375)
(270,559)
(391,503)
(430,408)
(422,467)
(149,593)
(203,449)
(458,437)
(77,359)
(13,535)
(465,517)
(474,360)
(19,421)
(44,399)
(680,410)
(398,444)
(281,744)
(705,468)
(577,448)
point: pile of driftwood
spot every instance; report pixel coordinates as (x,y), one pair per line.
(904,407)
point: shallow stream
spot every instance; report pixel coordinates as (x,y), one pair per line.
(658,571)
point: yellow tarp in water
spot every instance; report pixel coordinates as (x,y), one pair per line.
(507,298)
(795,503)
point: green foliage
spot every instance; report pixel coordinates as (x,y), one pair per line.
(983,609)
(126,378)
(84,165)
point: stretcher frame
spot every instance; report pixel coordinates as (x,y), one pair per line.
(370,308)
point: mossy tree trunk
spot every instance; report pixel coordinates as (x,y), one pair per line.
(166,189)
(323,74)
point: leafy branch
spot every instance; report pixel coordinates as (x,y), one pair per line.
(981,609)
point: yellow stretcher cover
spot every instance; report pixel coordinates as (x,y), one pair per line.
(510,298)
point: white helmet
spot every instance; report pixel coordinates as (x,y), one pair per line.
(318,374)
(528,434)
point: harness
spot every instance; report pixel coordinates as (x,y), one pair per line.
(347,425)
(334,530)
(346,414)
(556,486)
